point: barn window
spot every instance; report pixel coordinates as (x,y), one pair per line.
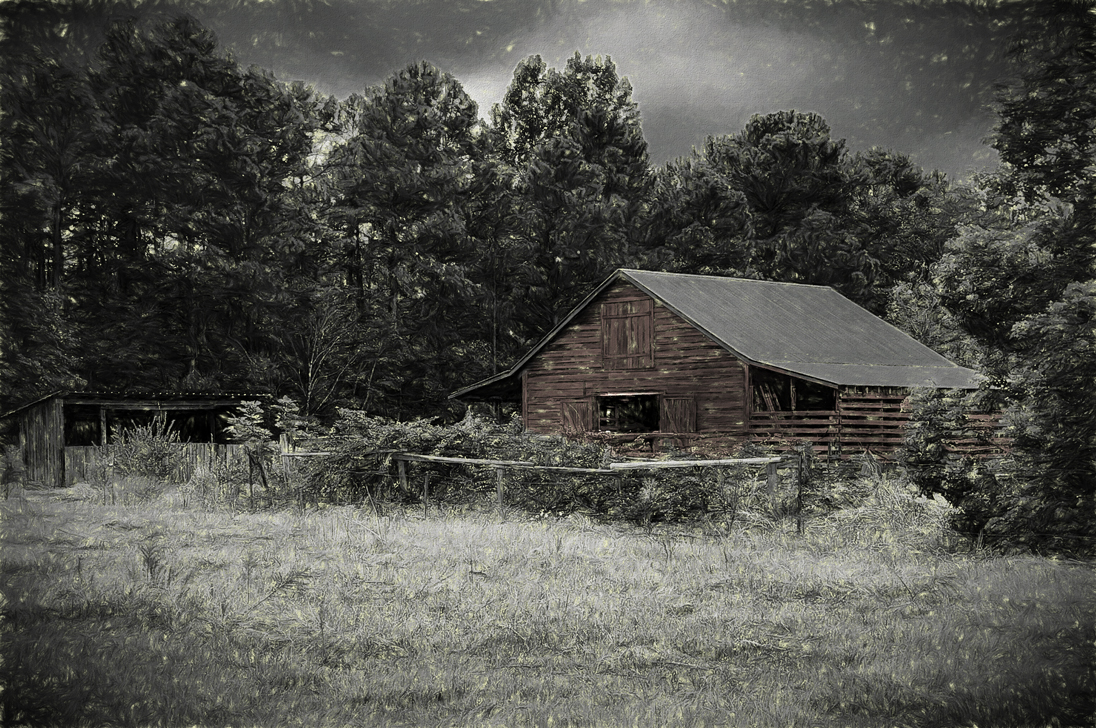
(628,413)
(776,392)
(627,334)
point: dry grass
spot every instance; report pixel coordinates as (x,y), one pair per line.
(156,612)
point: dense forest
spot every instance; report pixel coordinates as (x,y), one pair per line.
(175,222)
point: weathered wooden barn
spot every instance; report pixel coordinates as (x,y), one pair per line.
(54,432)
(707,360)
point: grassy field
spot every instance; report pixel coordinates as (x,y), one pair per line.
(154,611)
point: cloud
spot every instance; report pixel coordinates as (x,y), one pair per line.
(912,77)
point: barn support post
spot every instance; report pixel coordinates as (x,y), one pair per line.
(771,479)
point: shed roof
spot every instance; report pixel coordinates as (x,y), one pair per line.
(804,330)
(144,400)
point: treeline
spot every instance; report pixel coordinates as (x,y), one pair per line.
(176,222)
(172,221)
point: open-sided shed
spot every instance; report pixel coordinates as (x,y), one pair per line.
(692,358)
(66,421)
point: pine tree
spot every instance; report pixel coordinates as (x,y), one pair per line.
(573,144)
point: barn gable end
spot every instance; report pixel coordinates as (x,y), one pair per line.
(647,361)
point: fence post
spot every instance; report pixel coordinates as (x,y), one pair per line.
(425,493)
(772,477)
(498,486)
(401,465)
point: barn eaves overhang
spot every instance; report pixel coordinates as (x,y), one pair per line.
(812,332)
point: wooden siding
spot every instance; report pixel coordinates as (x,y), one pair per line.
(704,391)
(866,418)
(42,428)
(572,370)
(41,439)
(83,462)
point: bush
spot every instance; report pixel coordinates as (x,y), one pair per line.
(362,469)
(361,466)
(889,514)
(150,451)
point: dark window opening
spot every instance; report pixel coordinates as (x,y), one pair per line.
(628,413)
(775,392)
(83,424)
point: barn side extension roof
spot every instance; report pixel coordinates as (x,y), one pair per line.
(807,331)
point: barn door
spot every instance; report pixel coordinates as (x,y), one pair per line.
(678,415)
(577,416)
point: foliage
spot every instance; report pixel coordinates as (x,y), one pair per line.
(174,221)
(1020,282)
(783,200)
(362,470)
(150,450)
(572,149)
(247,427)
(888,515)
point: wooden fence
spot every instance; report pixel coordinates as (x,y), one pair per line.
(86,463)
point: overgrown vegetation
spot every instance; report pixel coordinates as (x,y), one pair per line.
(161,612)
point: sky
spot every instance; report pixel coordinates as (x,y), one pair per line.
(913,77)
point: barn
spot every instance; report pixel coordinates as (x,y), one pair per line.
(54,432)
(713,361)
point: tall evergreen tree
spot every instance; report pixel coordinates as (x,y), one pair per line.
(409,176)
(575,149)
(197,155)
(798,185)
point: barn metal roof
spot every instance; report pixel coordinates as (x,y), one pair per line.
(808,331)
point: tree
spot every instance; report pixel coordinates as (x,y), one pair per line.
(407,179)
(47,125)
(701,222)
(1024,289)
(774,201)
(573,146)
(150,206)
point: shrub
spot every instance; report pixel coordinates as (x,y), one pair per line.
(362,469)
(151,451)
(361,465)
